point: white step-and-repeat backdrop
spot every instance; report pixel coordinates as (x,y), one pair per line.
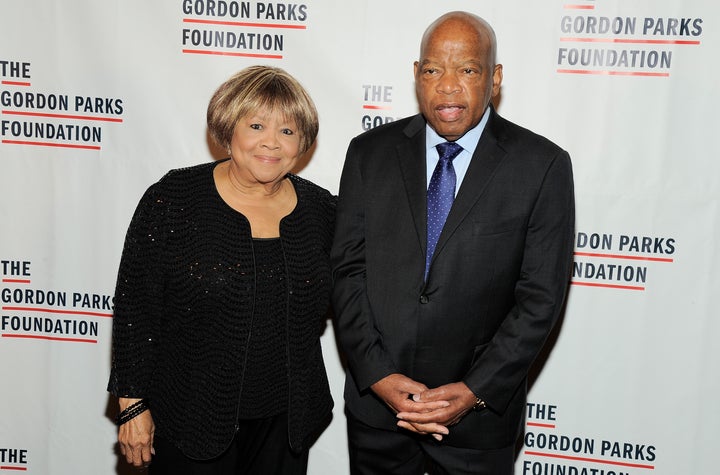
(99,99)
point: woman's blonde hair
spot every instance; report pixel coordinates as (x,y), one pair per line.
(256,88)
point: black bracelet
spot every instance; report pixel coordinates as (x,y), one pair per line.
(132,411)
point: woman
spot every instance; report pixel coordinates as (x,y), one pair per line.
(222,294)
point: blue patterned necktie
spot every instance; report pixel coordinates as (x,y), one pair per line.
(440,196)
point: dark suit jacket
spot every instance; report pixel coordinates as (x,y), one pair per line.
(496,285)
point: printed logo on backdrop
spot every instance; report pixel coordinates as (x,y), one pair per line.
(377,104)
(549,451)
(13,459)
(235,28)
(51,119)
(594,40)
(30,312)
(619,261)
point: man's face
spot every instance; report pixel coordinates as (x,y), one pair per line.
(455,79)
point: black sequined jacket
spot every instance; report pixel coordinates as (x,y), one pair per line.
(184,303)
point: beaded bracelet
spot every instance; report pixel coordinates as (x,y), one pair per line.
(132,411)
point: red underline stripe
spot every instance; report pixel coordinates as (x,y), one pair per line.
(50,310)
(631,41)
(51,338)
(579,7)
(607,286)
(225,53)
(619,256)
(612,73)
(12,468)
(587,459)
(62,116)
(49,144)
(240,23)
(16,281)
(367,106)
(15,83)
(538,424)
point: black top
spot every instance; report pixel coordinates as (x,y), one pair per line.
(265,388)
(185,297)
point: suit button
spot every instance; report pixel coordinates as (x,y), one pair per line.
(424,299)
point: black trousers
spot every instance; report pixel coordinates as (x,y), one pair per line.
(384,452)
(260,447)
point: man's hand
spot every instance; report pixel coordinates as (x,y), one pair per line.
(400,393)
(136,436)
(460,400)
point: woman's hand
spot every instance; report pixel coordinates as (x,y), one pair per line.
(136,436)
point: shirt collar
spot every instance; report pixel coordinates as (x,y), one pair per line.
(468,141)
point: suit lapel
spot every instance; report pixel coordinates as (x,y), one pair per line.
(411,157)
(488,155)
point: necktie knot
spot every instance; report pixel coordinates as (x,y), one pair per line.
(448,150)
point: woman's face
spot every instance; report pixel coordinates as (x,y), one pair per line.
(265,146)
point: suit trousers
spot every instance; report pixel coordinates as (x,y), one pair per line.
(260,447)
(384,452)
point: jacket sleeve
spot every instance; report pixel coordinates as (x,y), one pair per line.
(137,303)
(539,292)
(358,337)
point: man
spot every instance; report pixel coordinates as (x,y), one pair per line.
(441,322)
